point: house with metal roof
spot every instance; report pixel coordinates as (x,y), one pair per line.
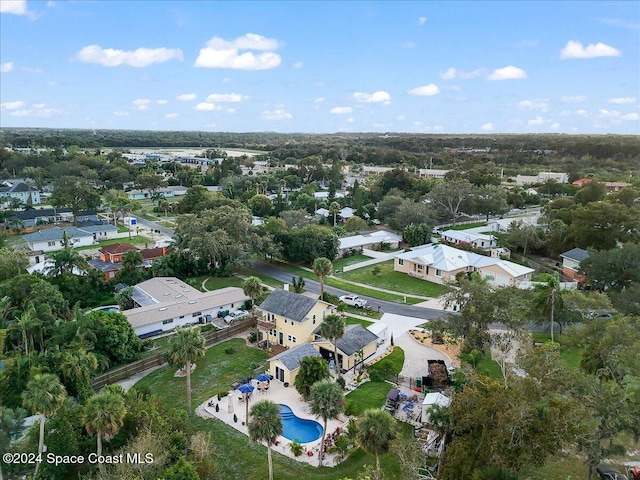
(441,263)
(369,240)
(51,239)
(165,303)
(18,190)
(289,319)
(472,238)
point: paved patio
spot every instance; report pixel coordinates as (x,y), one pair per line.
(280,394)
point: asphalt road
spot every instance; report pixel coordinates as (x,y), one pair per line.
(155,226)
(314,286)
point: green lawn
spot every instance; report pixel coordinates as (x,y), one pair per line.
(489,367)
(356,321)
(373,313)
(334,282)
(367,395)
(392,280)
(571,355)
(465,226)
(215,283)
(343,262)
(234,454)
(392,363)
(135,240)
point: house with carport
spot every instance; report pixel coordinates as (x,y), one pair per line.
(286,365)
(441,263)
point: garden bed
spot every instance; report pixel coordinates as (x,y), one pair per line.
(452,350)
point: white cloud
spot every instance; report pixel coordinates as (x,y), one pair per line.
(401,118)
(573,99)
(508,73)
(39,106)
(185,97)
(565,113)
(351,120)
(226,97)
(31,69)
(487,127)
(622,100)
(341,110)
(452,73)
(231,110)
(220,53)
(422,20)
(15,7)
(536,121)
(555,125)
(298,65)
(226,80)
(207,107)
(6,67)
(593,50)
(542,105)
(12,105)
(36,110)
(122,114)
(319,100)
(608,113)
(376,97)
(434,128)
(140,57)
(581,113)
(162,101)
(171,115)
(141,103)
(278,114)
(417,123)
(425,91)
(630,116)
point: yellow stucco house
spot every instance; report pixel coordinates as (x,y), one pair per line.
(357,344)
(289,319)
(441,263)
(285,365)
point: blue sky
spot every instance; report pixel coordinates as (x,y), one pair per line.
(322,67)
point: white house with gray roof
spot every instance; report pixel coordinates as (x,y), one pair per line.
(369,240)
(165,303)
(51,239)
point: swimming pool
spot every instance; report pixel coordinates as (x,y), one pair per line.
(298,429)
(110,309)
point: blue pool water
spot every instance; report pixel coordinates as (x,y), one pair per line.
(298,429)
(110,309)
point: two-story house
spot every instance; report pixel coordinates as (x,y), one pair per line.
(289,319)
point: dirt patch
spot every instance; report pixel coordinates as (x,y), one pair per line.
(452,350)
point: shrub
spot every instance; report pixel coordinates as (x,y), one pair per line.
(341,381)
(253,336)
(375,271)
(230,350)
(222,393)
(330,298)
(296,448)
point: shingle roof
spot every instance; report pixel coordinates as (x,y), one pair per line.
(105,266)
(577,254)
(99,228)
(288,304)
(151,253)
(118,248)
(55,233)
(356,337)
(291,358)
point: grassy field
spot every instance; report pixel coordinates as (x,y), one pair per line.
(215,283)
(343,262)
(392,363)
(392,280)
(489,367)
(465,226)
(367,395)
(356,321)
(571,355)
(135,240)
(234,454)
(334,282)
(373,313)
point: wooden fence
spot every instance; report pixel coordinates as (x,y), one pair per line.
(210,339)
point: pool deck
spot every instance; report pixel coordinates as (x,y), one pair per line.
(279,394)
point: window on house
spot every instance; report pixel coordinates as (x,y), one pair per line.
(164,322)
(400,261)
(420,267)
(289,338)
(181,316)
(293,339)
(51,244)
(438,273)
(285,320)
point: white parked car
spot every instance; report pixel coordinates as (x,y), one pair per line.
(233,316)
(353,300)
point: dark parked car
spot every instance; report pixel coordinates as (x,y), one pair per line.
(607,472)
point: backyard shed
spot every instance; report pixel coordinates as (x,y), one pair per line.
(380,329)
(431,399)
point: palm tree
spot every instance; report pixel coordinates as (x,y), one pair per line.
(66,261)
(131,263)
(312,370)
(184,348)
(549,298)
(265,425)
(334,209)
(104,416)
(26,324)
(327,402)
(77,366)
(332,328)
(252,288)
(322,267)
(376,430)
(43,396)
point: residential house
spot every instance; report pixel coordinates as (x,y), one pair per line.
(441,263)
(18,190)
(286,365)
(113,253)
(51,239)
(165,303)
(110,258)
(346,213)
(471,238)
(503,224)
(289,319)
(432,173)
(541,178)
(46,216)
(611,187)
(369,240)
(571,263)
(101,232)
(356,345)
(167,192)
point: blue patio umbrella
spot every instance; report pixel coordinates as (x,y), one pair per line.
(246,388)
(263,377)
